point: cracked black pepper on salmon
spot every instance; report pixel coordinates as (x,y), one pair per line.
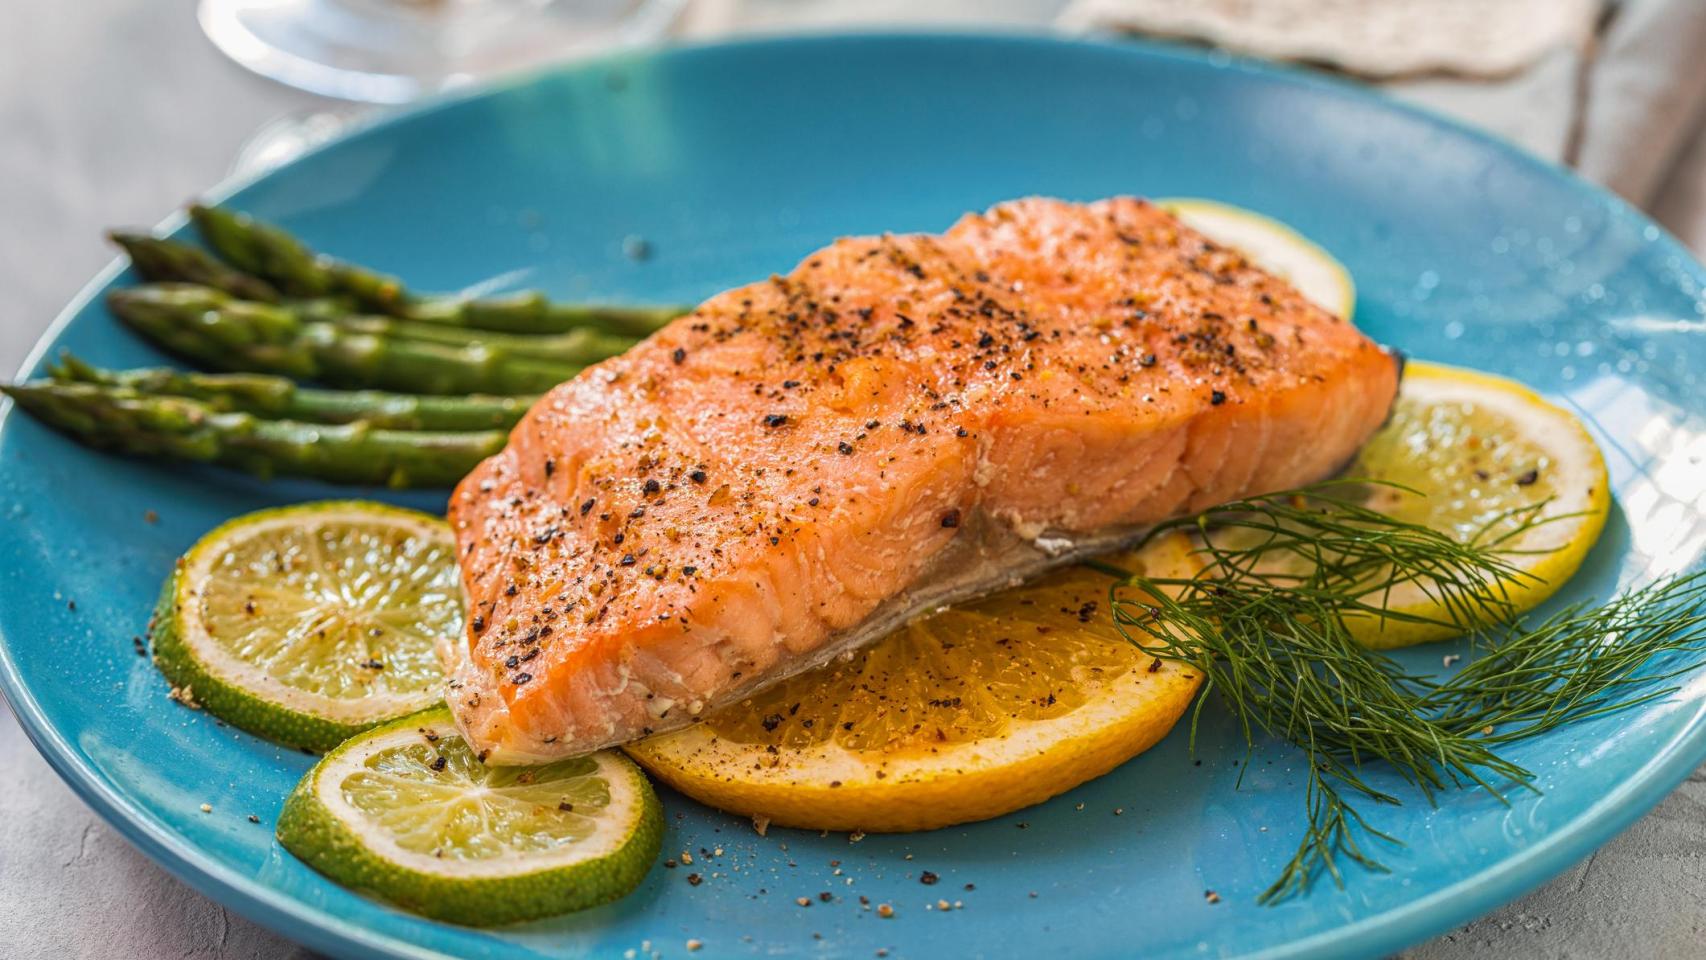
(801,464)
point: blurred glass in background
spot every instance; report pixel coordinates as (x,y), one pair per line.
(394,51)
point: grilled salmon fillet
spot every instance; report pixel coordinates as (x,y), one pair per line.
(801,464)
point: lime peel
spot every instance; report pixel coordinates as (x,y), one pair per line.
(353,846)
(250,651)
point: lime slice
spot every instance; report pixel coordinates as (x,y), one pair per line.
(407,813)
(308,624)
(1274,247)
(1475,448)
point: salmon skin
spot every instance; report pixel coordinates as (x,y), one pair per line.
(802,464)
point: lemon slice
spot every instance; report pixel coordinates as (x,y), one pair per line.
(971,713)
(307,624)
(1476,447)
(408,813)
(1274,247)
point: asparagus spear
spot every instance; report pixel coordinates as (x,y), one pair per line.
(174,428)
(582,346)
(278,398)
(274,255)
(531,312)
(208,327)
(158,259)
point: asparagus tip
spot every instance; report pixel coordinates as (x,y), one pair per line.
(73,369)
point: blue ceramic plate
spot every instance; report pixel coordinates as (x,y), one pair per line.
(734,161)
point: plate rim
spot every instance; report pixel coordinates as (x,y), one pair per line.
(320,929)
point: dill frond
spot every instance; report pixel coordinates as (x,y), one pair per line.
(1265,622)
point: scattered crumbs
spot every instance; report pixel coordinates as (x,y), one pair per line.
(686,858)
(885,911)
(927,878)
(1079,807)
(882,951)
(803,901)
(761,825)
(71,605)
(907,857)
(1450,659)
(1211,896)
(944,905)
(971,886)
(717,852)
(693,879)
(149,516)
(826,896)
(207,808)
(1033,894)
(183,695)
(1119,811)
(254,819)
(1487,730)
(856,836)
(141,647)
(1022,825)
(694,944)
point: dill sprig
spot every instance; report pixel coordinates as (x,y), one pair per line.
(1265,623)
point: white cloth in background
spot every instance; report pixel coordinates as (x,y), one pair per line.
(1681,203)
(1643,99)
(1533,108)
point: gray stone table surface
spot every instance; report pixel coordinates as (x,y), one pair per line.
(115,111)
